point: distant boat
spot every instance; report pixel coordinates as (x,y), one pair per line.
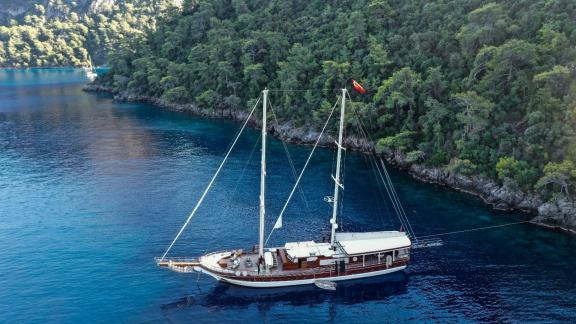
(90,71)
(346,256)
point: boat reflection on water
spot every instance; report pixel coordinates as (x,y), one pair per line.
(348,292)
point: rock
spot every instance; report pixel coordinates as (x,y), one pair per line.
(558,213)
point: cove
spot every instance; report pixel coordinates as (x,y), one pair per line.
(92,190)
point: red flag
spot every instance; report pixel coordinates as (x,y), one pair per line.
(358,87)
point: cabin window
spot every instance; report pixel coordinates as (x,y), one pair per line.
(402,254)
(371,259)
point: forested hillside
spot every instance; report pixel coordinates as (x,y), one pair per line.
(476,87)
(64,32)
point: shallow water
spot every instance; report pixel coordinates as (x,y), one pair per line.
(91,191)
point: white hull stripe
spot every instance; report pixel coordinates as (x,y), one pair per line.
(270,284)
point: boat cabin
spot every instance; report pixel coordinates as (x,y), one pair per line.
(356,249)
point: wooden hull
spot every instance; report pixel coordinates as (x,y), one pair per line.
(295,280)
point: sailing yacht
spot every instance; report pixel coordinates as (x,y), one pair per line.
(90,70)
(347,256)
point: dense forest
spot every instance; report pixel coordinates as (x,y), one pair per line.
(473,86)
(64,33)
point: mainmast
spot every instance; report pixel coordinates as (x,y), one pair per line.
(337,184)
(263,176)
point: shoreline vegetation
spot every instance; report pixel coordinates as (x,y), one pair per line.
(557,214)
(67,33)
(473,94)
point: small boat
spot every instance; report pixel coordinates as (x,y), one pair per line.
(324,284)
(90,71)
(346,256)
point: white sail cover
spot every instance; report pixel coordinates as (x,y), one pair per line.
(368,242)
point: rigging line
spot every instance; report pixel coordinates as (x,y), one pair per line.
(371,161)
(397,199)
(302,90)
(377,174)
(211,181)
(474,229)
(384,182)
(396,195)
(390,195)
(368,162)
(243,172)
(304,168)
(392,200)
(240,179)
(290,161)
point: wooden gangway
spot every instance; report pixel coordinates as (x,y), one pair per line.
(177,262)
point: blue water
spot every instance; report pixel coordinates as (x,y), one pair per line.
(92,190)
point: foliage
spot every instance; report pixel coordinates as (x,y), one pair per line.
(458,166)
(63,34)
(415,156)
(517,174)
(399,142)
(478,87)
(559,176)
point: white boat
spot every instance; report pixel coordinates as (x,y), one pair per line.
(90,71)
(346,256)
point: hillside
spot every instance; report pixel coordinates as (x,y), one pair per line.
(64,32)
(471,87)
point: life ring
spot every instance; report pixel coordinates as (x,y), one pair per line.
(388,260)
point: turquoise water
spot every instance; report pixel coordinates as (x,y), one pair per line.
(91,191)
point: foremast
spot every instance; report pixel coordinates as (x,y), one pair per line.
(263,177)
(337,177)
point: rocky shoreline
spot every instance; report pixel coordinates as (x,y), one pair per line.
(557,214)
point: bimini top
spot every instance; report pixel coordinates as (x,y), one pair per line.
(308,249)
(362,243)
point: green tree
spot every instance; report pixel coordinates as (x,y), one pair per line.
(559,176)
(517,174)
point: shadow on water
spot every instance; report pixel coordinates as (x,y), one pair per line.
(224,296)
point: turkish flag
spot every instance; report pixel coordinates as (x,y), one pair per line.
(358,87)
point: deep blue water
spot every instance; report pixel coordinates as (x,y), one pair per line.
(91,191)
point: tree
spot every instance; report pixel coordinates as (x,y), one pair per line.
(514,173)
(557,80)
(476,112)
(477,87)
(397,143)
(398,93)
(486,26)
(560,176)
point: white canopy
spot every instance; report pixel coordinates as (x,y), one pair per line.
(308,249)
(368,242)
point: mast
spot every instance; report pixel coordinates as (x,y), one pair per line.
(263,176)
(337,183)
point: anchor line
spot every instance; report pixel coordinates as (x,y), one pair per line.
(473,229)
